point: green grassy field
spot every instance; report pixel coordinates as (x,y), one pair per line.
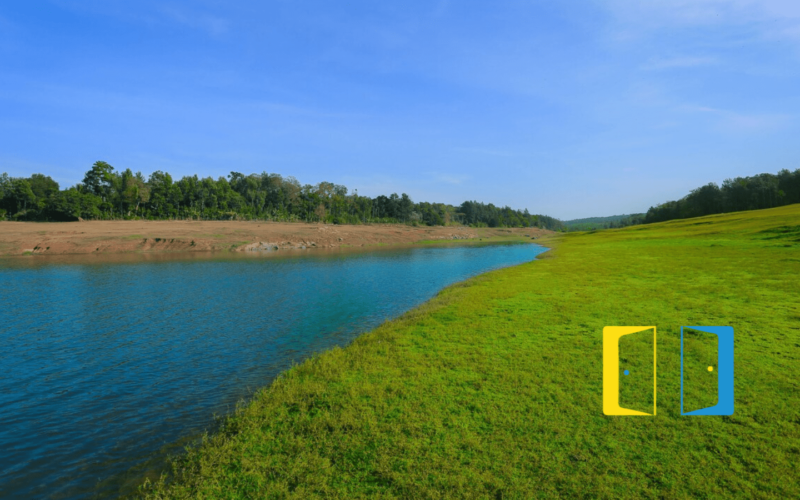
(493,389)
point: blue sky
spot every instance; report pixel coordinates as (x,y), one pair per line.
(572,109)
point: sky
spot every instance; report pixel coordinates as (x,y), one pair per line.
(570,108)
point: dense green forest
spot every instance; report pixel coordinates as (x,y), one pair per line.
(737,194)
(610,222)
(109,194)
(740,193)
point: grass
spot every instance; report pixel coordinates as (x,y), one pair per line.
(493,389)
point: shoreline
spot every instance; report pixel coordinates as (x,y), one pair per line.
(170,237)
(492,388)
(154,472)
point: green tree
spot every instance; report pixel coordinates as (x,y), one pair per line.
(43,187)
(160,184)
(71,204)
(5,194)
(99,179)
(21,195)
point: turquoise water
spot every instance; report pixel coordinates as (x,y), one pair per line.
(104,365)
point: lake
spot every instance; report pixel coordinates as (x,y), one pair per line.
(105,365)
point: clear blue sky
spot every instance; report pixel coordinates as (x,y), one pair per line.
(572,109)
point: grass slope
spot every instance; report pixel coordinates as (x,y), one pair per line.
(493,389)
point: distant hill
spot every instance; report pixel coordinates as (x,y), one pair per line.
(734,195)
(609,222)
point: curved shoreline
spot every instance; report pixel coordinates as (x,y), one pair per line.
(314,261)
(157,469)
(494,387)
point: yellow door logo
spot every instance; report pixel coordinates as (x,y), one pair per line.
(611,369)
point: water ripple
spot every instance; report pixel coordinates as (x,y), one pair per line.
(103,365)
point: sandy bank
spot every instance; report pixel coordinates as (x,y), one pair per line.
(61,238)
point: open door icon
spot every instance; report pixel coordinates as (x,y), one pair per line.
(611,369)
(723,370)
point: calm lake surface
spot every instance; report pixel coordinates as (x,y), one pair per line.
(106,365)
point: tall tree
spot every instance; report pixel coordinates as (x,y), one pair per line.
(99,179)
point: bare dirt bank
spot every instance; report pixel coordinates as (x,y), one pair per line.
(60,238)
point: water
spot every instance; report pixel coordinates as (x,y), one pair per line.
(103,366)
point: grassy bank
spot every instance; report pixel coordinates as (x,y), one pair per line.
(493,389)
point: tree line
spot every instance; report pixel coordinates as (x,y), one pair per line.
(734,195)
(737,194)
(108,194)
(612,222)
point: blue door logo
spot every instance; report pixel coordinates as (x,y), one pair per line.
(724,371)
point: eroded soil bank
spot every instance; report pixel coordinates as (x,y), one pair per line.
(61,238)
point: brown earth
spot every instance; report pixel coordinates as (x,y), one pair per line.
(60,238)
